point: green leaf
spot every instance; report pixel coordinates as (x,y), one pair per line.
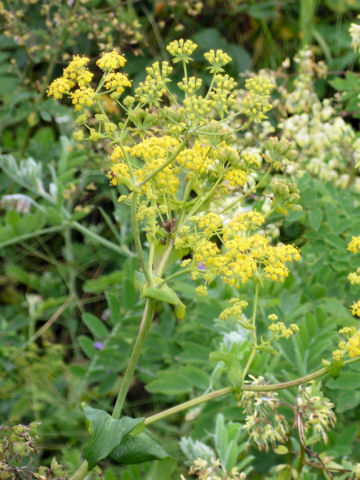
(281,450)
(104,282)
(315,217)
(106,433)
(162,470)
(163,294)
(87,345)
(96,326)
(234,373)
(179,381)
(138,449)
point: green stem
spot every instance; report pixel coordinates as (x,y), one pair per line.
(26,236)
(136,233)
(165,258)
(147,318)
(301,460)
(46,326)
(94,236)
(253,325)
(174,275)
(228,390)
(189,404)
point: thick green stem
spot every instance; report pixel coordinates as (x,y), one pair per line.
(301,460)
(136,233)
(228,390)
(94,236)
(26,236)
(253,325)
(165,258)
(147,318)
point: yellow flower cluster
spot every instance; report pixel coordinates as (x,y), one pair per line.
(281,330)
(179,155)
(59,87)
(190,85)
(235,310)
(117,82)
(236,177)
(273,317)
(83,96)
(210,223)
(244,222)
(181,50)
(354,245)
(196,160)
(355,309)
(256,103)
(76,73)
(111,61)
(153,152)
(150,91)
(217,60)
(351,346)
(275,260)
(243,253)
(354,277)
(201,290)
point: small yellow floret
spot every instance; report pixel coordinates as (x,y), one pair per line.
(117,81)
(59,87)
(354,245)
(182,49)
(217,57)
(355,309)
(83,97)
(201,290)
(111,61)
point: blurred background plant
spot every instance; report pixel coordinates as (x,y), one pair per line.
(69,305)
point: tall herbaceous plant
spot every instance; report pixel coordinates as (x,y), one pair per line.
(191,195)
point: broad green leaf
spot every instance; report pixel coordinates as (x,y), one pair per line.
(96,326)
(163,294)
(336,242)
(179,381)
(281,450)
(114,307)
(315,217)
(347,400)
(104,282)
(87,345)
(234,373)
(162,470)
(348,380)
(138,449)
(106,433)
